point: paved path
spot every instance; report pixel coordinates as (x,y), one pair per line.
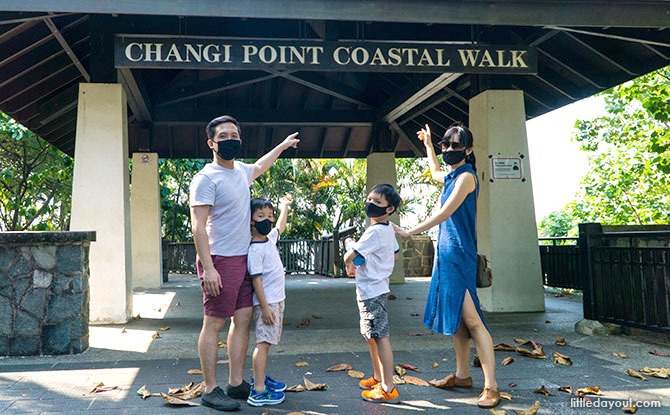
(128,357)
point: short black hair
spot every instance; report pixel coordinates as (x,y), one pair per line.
(260,203)
(390,194)
(211,127)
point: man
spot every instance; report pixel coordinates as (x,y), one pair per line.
(220,216)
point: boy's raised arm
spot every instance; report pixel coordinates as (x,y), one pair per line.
(284,203)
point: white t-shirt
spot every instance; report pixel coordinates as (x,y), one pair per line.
(378,246)
(263,262)
(227,193)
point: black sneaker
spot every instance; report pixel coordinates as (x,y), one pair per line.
(218,400)
(240,391)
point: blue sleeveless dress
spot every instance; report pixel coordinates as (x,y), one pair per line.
(455,267)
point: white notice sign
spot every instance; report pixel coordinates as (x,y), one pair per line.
(506,168)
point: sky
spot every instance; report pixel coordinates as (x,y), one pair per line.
(556,163)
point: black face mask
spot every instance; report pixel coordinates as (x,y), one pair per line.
(229,149)
(453,157)
(374,211)
(263,227)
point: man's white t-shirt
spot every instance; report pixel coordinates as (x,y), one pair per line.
(263,262)
(227,193)
(378,246)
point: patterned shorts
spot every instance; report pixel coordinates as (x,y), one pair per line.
(266,333)
(374,317)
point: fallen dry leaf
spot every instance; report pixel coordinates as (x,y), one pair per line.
(189,391)
(295,413)
(476,362)
(317,316)
(302,364)
(409,367)
(194,372)
(415,334)
(658,372)
(502,347)
(566,389)
(392,297)
(339,368)
(542,390)
(311,386)
(630,409)
(123,330)
(635,374)
(304,323)
(415,381)
(589,390)
(505,395)
(355,374)
(620,355)
(398,380)
(657,353)
(173,400)
(222,362)
(100,387)
(400,370)
(435,364)
(164,328)
(144,392)
(512,385)
(506,361)
(535,353)
(530,411)
(497,412)
(222,344)
(562,359)
(295,388)
(155,335)
(560,341)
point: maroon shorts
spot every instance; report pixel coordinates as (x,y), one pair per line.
(237,290)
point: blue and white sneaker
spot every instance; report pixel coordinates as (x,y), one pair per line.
(267,397)
(272,384)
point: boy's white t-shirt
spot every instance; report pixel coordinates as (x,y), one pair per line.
(378,246)
(227,193)
(263,262)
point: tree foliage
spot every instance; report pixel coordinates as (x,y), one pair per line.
(629,159)
(35,181)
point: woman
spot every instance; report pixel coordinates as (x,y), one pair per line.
(452,307)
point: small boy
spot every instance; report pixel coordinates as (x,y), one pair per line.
(267,273)
(379,249)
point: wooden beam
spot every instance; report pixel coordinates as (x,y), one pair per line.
(493,12)
(138,98)
(212,86)
(407,100)
(325,85)
(402,137)
(66,47)
(256,117)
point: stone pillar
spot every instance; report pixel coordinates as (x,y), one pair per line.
(100,198)
(145,221)
(380,170)
(506,229)
(44,291)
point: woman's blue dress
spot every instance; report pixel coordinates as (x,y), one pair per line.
(455,267)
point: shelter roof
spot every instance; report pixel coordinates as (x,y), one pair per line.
(48,47)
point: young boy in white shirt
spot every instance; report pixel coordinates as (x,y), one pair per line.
(267,273)
(377,250)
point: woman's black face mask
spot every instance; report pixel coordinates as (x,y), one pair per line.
(453,157)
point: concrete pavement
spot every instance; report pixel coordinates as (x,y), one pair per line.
(321,328)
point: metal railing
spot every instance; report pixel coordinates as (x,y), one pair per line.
(562,263)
